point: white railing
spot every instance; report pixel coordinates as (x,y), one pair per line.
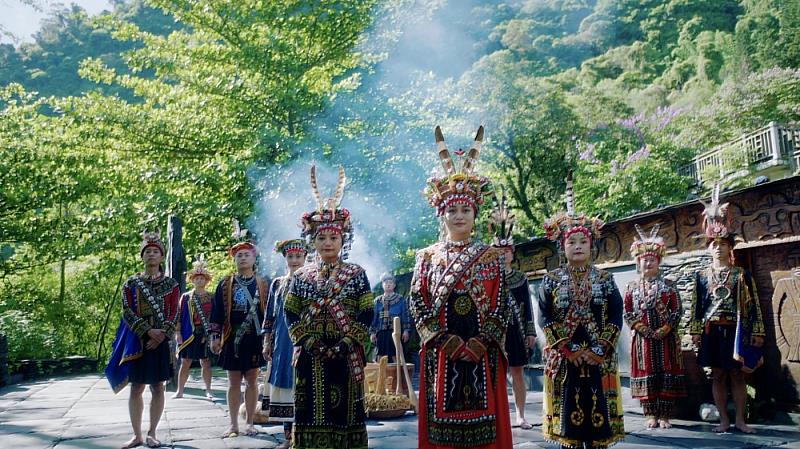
(771,144)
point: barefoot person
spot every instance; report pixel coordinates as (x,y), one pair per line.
(726,319)
(580,310)
(235,330)
(193,323)
(652,310)
(140,352)
(521,333)
(278,344)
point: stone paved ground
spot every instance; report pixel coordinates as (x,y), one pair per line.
(82,412)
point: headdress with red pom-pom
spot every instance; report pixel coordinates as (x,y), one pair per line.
(328,216)
(716,222)
(559,227)
(461,185)
(648,245)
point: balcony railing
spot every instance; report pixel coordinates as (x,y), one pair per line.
(769,146)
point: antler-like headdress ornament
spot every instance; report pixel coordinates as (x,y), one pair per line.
(458,185)
(559,227)
(648,245)
(328,216)
(501,222)
(716,222)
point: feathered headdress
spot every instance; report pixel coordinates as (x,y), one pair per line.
(151,239)
(716,223)
(460,185)
(285,247)
(199,268)
(240,239)
(328,215)
(501,222)
(648,245)
(559,227)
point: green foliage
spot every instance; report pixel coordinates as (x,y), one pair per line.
(110,124)
(231,85)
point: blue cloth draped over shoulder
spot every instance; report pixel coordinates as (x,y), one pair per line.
(186,323)
(126,347)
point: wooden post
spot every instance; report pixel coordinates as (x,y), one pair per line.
(176,269)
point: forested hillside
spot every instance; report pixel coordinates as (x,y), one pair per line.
(213,110)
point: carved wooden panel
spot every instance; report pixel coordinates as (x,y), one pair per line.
(532,259)
(786,306)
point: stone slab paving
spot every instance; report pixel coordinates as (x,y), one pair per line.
(82,412)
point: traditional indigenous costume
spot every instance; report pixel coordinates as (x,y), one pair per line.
(238,312)
(147,303)
(281,373)
(328,311)
(388,306)
(521,324)
(580,313)
(725,307)
(194,316)
(459,303)
(653,310)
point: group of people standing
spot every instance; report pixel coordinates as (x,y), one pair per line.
(473,314)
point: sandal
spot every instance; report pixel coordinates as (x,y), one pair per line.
(230,433)
(152,441)
(250,430)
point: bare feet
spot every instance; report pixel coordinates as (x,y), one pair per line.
(744,428)
(664,423)
(232,432)
(651,423)
(723,427)
(152,441)
(524,424)
(133,442)
(284,445)
(250,430)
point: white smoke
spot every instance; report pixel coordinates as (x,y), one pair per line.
(424,47)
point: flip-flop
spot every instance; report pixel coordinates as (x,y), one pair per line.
(524,425)
(209,395)
(152,442)
(250,431)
